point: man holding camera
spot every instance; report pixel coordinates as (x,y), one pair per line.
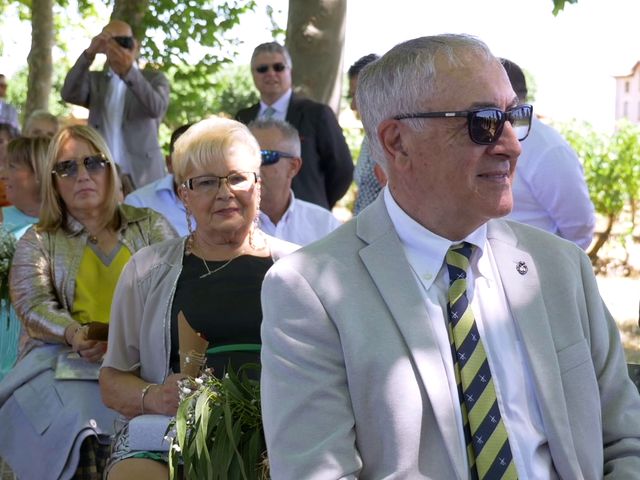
(126,104)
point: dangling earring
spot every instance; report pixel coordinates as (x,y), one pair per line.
(189,246)
(255,228)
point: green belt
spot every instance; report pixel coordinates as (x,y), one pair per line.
(235,347)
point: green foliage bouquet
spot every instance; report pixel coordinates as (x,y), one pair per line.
(218,428)
(7,249)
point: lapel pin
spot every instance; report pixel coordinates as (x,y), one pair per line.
(522,268)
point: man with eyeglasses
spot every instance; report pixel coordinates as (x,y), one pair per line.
(427,337)
(327,171)
(126,104)
(549,189)
(282,215)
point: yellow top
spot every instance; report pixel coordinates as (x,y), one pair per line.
(96,282)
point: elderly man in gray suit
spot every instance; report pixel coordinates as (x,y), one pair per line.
(126,104)
(427,338)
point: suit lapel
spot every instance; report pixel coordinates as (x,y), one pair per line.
(293,111)
(385,260)
(522,290)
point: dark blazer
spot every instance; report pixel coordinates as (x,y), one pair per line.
(145,104)
(327,167)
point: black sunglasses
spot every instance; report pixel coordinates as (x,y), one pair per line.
(277,67)
(69,168)
(269,157)
(486,124)
(124,42)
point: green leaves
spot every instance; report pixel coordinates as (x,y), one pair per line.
(558,5)
(218,425)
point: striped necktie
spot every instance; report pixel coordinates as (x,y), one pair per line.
(268,113)
(488,447)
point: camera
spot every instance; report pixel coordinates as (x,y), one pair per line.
(125,42)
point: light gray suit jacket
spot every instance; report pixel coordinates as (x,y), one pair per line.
(145,104)
(353,385)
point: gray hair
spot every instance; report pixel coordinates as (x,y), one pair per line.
(404,78)
(288,131)
(272,47)
(208,141)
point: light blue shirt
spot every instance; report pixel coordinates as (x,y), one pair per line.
(280,106)
(161,197)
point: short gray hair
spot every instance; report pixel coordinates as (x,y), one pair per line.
(404,78)
(288,131)
(272,47)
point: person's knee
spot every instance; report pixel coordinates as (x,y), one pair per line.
(138,468)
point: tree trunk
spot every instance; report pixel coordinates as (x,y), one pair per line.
(39,58)
(315,39)
(602,239)
(132,12)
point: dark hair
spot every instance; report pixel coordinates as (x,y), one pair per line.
(176,135)
(10,130)
(356,68)
(516,77)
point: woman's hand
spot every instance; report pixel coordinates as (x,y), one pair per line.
(165,398)
(90,350)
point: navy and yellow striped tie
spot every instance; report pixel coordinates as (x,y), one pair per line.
(488,447)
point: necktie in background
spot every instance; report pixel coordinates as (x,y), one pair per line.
(488,447)
(268,113)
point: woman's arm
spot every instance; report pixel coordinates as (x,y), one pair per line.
(33,291)
(128,394)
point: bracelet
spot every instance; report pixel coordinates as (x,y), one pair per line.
(143,394)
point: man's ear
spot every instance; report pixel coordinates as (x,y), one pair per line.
(390,134)
(295,165)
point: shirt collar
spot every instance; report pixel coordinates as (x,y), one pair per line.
(281,105)
(166,183)
(424,249)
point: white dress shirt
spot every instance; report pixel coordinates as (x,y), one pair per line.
(510,371)
(280,106)
(549,189)
(112,120)
(302,223)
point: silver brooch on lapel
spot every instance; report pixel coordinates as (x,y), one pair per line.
(522,268)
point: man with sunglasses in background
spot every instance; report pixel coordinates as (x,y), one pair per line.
(549,189)
(126,104)
(282,215)
(427,337)
(327,170)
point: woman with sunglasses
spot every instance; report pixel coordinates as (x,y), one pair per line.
(26,158)
(63,276)
(210,279)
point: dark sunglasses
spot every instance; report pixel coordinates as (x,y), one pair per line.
(269,157)
(69,168)
(277,67)
(124,42)
(486,124)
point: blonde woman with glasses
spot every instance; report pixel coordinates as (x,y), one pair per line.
(63,277)
(211,278)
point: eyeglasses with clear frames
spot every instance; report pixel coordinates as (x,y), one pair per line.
(210,184)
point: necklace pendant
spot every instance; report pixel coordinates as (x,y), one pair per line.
(93,239)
